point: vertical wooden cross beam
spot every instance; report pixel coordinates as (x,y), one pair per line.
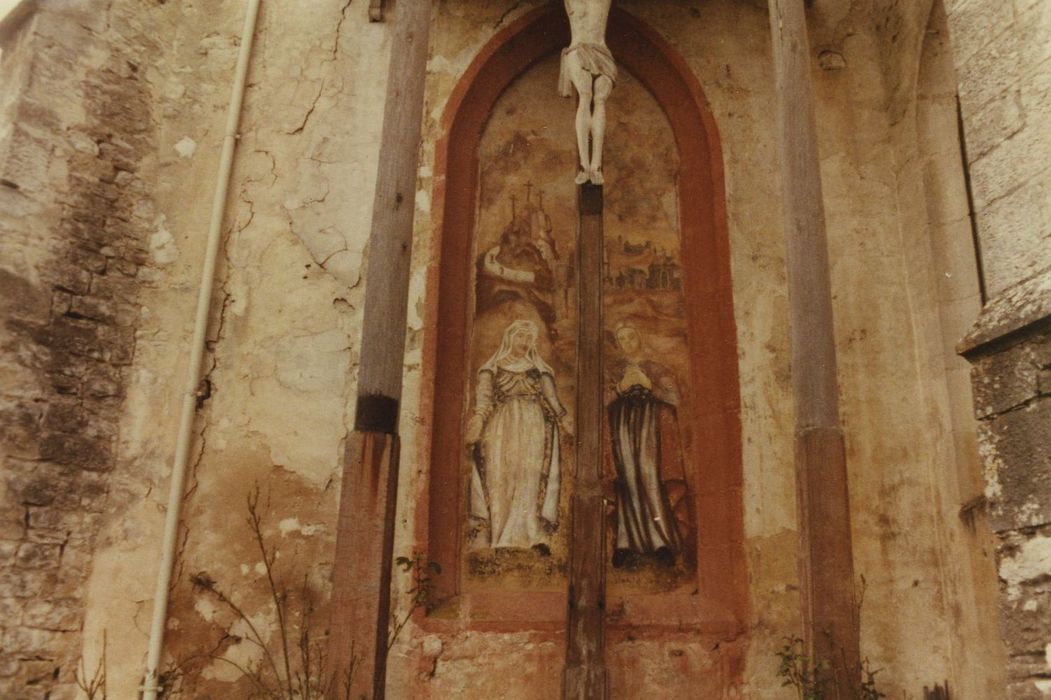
(830,612)
(360,608)
(584,676)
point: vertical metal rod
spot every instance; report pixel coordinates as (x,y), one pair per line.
(184,438)
(976,240)
(830,612)
(584,676)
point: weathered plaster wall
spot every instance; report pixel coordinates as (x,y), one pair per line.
(998,67)
(75,217)
(282,340)
(912,555)
(945,297)
(284,334)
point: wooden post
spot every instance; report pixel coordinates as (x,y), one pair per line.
(357,655)
(830,614)
(376,10)
(360,616)
(584,677)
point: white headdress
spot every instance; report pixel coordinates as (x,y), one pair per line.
(532,357)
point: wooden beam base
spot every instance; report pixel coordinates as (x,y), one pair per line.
(584,677)
(357,645)
(830,607)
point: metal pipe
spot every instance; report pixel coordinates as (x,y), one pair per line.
(184,440)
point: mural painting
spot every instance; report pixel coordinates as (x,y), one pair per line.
(518,439)
(648,476)
(514,434)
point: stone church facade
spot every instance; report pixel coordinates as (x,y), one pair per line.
(932,122)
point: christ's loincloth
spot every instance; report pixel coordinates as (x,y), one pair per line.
(594,58)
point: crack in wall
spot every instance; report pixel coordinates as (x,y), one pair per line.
(310,111)
(332,57)
(507,13)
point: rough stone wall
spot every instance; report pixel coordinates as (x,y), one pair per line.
(74,222)
(1012,383)
(1002,54)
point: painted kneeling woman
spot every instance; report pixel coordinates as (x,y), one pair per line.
(513,438)
(649,480)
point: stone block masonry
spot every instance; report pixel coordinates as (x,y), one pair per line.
(1011,351)
(74,237)
(1003,63)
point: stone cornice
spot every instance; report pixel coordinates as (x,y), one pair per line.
(1005,319)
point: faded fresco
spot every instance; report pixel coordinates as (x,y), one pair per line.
(515,435)
(519,414)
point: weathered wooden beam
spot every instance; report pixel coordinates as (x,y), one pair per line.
(584,677)
(390,241)
(360,611)
(938,692)
(830,612)
(364,548)
(376,10)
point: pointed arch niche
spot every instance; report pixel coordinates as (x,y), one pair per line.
(714,598)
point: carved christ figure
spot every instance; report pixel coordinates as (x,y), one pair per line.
(588,66)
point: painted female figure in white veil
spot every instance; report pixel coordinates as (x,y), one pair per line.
(513,437)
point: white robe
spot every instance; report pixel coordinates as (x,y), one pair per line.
(516,474)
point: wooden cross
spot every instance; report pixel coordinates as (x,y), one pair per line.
(584,677)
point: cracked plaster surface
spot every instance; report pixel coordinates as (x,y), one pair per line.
(282,340)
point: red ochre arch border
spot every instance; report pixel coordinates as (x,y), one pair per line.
(720,603)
